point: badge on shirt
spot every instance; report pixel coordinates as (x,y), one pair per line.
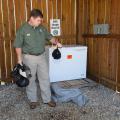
(40,30)
(28,34)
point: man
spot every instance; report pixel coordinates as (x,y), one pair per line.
(30,47)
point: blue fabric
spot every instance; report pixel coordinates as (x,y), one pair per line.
(68,94)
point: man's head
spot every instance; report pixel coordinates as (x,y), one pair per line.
(36,17)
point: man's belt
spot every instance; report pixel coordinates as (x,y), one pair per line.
(34,54)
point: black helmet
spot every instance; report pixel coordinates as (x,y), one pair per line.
(19,79)
(56,54)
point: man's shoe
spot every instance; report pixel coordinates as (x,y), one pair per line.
(51,104)
(33,105)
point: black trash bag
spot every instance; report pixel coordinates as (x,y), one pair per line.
(56,54)
(20,80)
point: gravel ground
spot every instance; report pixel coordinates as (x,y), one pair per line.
(104,104)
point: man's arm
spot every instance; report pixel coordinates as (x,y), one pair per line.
(56,42)
(18,43)
(19,55)
(52,39)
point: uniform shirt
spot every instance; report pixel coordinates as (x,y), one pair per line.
(32,40)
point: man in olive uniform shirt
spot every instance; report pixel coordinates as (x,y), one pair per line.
(30,47)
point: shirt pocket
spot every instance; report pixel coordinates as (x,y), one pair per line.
(28,39)
(27,36)
(41,34)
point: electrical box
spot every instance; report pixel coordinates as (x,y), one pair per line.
(101,29)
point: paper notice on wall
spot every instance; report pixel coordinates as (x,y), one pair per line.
(55,27)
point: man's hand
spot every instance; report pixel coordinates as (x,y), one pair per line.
(56,42)
(59,45)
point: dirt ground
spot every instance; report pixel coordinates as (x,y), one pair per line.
(103,104)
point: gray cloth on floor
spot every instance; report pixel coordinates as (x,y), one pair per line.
(68,94)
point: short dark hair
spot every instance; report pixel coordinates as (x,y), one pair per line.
(36,13)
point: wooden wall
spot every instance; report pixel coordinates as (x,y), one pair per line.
(103,50)
(77,19)
(14,12)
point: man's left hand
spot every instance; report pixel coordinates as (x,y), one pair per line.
(59,45)
(56,42)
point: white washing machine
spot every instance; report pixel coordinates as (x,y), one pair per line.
(71,66)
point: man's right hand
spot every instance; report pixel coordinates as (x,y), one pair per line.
(19,62)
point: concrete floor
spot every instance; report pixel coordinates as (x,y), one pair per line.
(104,104)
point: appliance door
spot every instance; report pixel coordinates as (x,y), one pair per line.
(72,64)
